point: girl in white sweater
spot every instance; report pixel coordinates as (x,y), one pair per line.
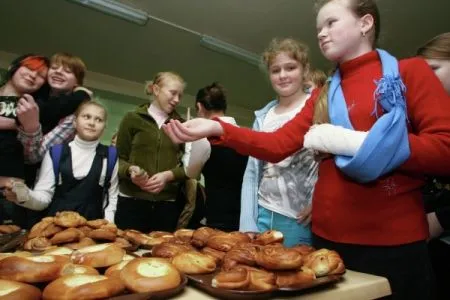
(82,171)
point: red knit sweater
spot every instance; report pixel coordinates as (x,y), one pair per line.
(388,211)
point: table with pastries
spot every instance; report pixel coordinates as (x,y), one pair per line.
(69,257)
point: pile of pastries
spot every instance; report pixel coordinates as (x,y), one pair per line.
(259,262)
(69,229)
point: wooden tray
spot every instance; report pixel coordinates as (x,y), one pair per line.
(203,282)
(155,295)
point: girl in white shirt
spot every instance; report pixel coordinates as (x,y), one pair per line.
(82,170)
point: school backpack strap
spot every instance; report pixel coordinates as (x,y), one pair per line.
(111,159)
(55,155)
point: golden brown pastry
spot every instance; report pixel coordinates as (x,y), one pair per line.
(13,290)
(32,269)
(51,230)
(201,236)
(325,262)
(278,258)
(39,227)
(69,235)
(74,287)
(234,279)
(122,243)
(5,229)
(96,224)
(37,244)
(136,237)
(241,237)
(150,275)
(261,280)
(243,254)
(170,250)
(193,262)
(102,234)
(269,237)
(216,254)
(114,271)
(304,249)
(72,269)
(295,278)
(184,234)
(69,219)
(153,241)
(110,227)
(97,256)
(17,253)
(223,241)
(157,234)
(84,242)
(85,229)
(64,251)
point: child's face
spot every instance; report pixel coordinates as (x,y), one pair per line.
(168,94)
(27,81)
(286,75)
(339,31)
(90,122)
(61,78)
(441,68)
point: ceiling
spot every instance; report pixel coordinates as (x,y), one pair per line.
(125,50)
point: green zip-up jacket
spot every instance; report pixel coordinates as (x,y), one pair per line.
(140,142)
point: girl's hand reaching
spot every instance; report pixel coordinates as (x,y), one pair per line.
(192,130)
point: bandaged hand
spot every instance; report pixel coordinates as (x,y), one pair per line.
(337,140)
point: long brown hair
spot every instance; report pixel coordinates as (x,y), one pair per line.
(360,8)
(436,48)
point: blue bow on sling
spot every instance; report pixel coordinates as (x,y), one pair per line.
(386,146)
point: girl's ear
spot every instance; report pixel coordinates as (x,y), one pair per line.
(156,90)
(367,22)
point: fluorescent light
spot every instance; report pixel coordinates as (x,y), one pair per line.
(117,9)
(230,49)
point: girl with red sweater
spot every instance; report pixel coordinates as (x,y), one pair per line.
(367,202)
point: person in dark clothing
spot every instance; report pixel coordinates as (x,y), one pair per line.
(224,169)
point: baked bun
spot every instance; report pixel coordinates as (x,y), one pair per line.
(157,234)
(123,243)
(13,290)
(153,241)
(261,280)
(222,241)
(193,262)
(96,224)
(325,262)
(32,269)
(269,237)
(69,235)
(234,279)
(170,250)
(64,251)
(39,227)
(243,254)
(201,236)
(216,254)
(304,249)
(135,236)
(241,237)
(17,253)
(69,219)
(51,230)
(5,229)
(83,287)
(102,234)
(295,278)
(72,269)
(37,244)
(278,258)
(97,256)
(110,227)
(85,229)
(114,271)
(150,275)
(84,242)
(184,234)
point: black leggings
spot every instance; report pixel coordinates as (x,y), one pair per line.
(145,215)
(407,267)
